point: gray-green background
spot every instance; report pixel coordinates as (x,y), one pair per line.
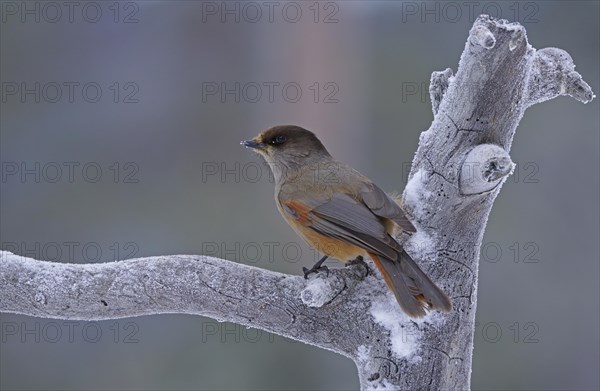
(539,278)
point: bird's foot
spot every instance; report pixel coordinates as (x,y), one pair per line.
(360,261)
(317,267)
(313,269)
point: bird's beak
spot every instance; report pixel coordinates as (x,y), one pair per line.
(253,144)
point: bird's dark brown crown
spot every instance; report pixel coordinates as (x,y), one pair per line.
(284,136)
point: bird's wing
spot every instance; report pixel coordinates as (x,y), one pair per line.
(384,206)
(344,218)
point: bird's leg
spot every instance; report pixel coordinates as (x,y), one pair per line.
(317,267)
(360,261)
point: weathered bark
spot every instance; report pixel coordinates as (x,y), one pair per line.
(459,167)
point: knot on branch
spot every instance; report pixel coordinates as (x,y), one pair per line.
(323,289)
(484,167)
(485,33)
(438,84)
(482,36)
(553,74)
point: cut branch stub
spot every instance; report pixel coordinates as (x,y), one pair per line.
(482,36)
(484,168)
(553,74)
(438,84)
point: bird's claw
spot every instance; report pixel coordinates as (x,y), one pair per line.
(314,269)
(360,261)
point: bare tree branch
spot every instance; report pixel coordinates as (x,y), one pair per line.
(459,167)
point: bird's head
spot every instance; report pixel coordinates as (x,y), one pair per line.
(288,146)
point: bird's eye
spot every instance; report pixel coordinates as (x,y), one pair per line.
(279,140)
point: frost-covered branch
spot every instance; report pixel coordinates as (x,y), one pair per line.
(311,311)
(460,165)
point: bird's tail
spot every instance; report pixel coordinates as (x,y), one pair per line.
(414,290)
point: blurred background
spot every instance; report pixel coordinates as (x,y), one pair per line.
(120,129)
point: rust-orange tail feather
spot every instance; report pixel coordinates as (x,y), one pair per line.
(414,290)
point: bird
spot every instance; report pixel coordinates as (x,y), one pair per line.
(342,214)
